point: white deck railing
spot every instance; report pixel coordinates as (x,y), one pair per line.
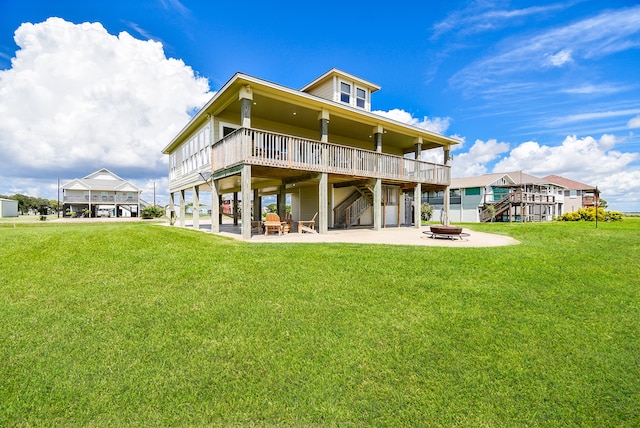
(264,148)
(98,199)
(517,197)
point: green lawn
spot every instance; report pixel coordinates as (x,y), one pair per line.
(140,324)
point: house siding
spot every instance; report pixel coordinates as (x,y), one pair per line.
(464,212)
(304,203)
(572,200)
(325,90)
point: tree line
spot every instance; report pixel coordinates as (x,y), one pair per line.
(34,204)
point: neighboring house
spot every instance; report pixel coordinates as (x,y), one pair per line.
(576,195)
(102,194)
(321,145)
(8,208)
(511,196)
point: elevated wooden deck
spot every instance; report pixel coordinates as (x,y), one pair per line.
(268,149)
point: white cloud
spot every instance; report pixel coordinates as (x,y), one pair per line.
(621,190)
(601,88)
(575,156)
(436,124)
(592,38)
(479,155)
(78,98)
(591,116)
(480,17)
(561,58)
(634,123)
(175,5)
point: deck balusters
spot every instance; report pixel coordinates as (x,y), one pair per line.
(258,147)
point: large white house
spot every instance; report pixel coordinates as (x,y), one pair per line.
(512,196)
(321,145)
(101,194)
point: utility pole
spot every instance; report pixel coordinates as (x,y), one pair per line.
(596,201)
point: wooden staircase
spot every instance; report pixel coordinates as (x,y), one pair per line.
(500,206)
(347,213)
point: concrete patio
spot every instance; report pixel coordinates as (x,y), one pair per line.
(389,236)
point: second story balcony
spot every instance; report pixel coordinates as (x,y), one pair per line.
(518,196)
(101,199)
(262,148)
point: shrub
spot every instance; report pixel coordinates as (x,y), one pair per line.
(613,216)
(589,214)
(491,211)
(152,211)
(426,211)
(572,216)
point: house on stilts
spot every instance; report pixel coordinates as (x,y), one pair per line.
(320,146)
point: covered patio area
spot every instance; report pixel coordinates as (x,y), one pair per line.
(403,235)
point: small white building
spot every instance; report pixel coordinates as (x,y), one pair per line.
(8,208)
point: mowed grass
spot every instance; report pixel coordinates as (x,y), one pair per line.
(140,324)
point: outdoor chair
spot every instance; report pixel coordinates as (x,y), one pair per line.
(272,223)
(308,225)
(286,223)
(256,227)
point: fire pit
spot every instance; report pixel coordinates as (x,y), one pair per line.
(446,230)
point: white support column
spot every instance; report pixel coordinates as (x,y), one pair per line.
(245,177)
(215,207)
(377,188)
(323,117)
(196,207)
(323,204)
(234,209)
(418,149)
(172,208)
(377,204)
(282,200)
(246,98)
(447,197)
(182,208)
(417,206)
(417,191)
(257,206)
(377,138)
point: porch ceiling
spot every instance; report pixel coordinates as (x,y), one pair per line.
(279,104)
(346,124)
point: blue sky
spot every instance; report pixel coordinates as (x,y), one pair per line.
(543,87)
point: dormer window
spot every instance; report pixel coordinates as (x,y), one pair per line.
(353,95)
(344,88)
(361,97)
(345,92)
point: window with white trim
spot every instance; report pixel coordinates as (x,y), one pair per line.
(361,98)
(345,92)
(195,153)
